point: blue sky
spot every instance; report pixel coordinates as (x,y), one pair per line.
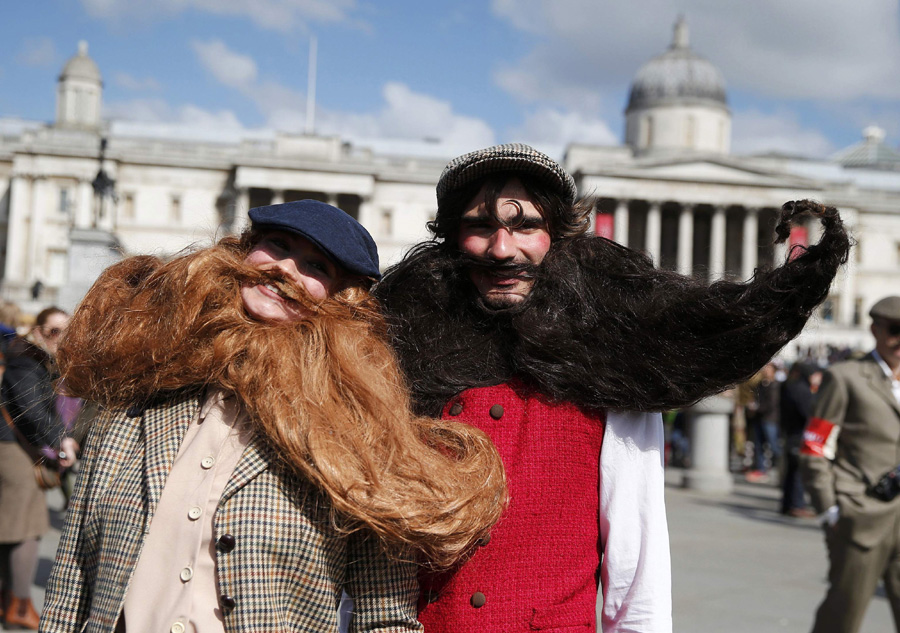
(803,76)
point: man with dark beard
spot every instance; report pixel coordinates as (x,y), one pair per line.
(257,455)
(514,321)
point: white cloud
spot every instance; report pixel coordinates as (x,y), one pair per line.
(757,132)
(406,114)
(37,51)
(552,130)
(135,84)
(230,68)
(822,49)
(159,111)
(413,116)
(277,15)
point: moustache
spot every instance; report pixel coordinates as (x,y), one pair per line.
(520,270)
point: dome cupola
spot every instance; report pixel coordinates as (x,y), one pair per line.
(678,102)
(79,91)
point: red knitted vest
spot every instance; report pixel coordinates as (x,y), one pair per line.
(539,569)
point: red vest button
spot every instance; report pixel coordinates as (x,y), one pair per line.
(477,600)
(497,411)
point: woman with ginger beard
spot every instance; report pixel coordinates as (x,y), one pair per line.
(257,456)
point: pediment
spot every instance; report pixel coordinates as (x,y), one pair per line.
(720,171)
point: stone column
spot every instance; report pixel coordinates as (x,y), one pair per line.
(277,196)
(36,229)
(708,431)
(654,232)
(686,239)
(333,199)
(780,253)
(85,205)
(750,239)
(18,229)
(717,245)
(241,207)
(847,276)
(592,218)
(620,220)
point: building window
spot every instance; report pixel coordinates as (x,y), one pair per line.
(175,208)
(386,222)
(65,201)
(829,309)
(857,311)
(128,206)
(57,267)
(647,131)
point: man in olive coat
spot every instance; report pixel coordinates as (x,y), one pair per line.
(851,441)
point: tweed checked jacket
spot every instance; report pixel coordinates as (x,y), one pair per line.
(853,436)
(287,567)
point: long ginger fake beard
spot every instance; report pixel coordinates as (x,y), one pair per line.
(324,393)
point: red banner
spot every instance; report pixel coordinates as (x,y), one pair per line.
(604,225)
(799,237)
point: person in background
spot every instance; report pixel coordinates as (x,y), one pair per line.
(31,429)
(797,393)
(850,451)
(762,420)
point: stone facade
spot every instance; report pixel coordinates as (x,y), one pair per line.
(682,197)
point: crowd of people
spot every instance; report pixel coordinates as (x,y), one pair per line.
(280,438)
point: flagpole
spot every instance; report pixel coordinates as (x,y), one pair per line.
(311,88)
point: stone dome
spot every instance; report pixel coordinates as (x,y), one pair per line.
(80,66)
(677,77)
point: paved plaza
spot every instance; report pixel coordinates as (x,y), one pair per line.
(738,566)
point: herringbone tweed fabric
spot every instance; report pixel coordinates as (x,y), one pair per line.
(285,573)
(510,157)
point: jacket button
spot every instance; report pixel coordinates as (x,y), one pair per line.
(226,542)
(227,602)
(456,409)
(477,600)
(497,411)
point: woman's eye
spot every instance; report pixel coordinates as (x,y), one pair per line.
(319,266)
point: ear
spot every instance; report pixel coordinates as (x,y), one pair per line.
(872,328)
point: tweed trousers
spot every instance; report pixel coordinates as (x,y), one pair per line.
(285,572)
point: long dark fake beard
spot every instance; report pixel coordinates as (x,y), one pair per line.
(602,327)
(324,394)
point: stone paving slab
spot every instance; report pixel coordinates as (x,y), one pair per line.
(738,566)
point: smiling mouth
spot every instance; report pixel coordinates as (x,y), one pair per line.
(283,290)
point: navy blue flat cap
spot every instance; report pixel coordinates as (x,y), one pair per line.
(341,237)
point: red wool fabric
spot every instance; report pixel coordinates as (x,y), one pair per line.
(539,569)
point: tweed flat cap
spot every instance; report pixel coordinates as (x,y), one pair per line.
(342,238)
(470,167)
(887,308)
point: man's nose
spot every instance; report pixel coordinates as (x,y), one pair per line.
(501,244)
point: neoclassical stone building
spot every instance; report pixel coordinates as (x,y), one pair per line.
(76,192)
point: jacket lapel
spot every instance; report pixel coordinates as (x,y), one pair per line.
(253,461)
(164,429)
(880,383)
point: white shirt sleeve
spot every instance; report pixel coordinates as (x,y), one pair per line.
(635,575)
